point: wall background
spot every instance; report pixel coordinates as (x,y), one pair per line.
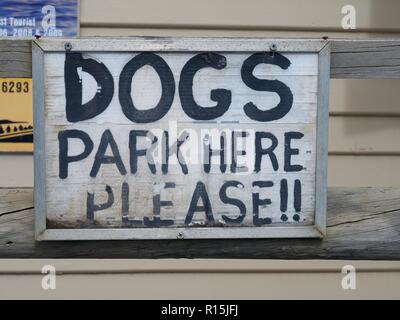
(364,150)
(364,131)
(199,279)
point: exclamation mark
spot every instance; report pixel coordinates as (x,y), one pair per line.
(297,199)
(284,199)
(125,202)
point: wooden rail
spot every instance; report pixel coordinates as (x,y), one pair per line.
(363,224)
(350,59)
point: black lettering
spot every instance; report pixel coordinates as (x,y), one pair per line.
(290,151)
(284,199)
(257,202)
(167,88)
(235,202)
(91,208)
(135,153)
(165,152)
(236,152)
(209,152)
(284,92)
(297,199)
(200,192)
(63,157)
(106,140)
(223,97)
(269,151)
(176,149)
(157,204)
(125,207)
(75,111)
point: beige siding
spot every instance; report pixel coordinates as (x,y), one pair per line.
(354,171)
(183,286)
(356,135)
(374,15)
(368,97)
(199,279)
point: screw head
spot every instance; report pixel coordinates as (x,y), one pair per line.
(273,47)
(68,46)
(180,235)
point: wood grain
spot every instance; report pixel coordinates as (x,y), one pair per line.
(365,59)
(15,58)
(363,224)
(66,199)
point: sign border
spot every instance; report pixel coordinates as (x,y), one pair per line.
(168,44)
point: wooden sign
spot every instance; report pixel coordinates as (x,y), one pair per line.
(165,138)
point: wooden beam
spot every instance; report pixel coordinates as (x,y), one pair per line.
(363,224)
(365,59)
(350,59)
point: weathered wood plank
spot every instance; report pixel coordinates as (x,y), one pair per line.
(363,223)
(15,58)
(351,58)
(365,59)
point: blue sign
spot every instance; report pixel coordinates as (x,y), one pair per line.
(45,18)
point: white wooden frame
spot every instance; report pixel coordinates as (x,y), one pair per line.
(139,44)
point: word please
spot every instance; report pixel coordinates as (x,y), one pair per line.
(201,204)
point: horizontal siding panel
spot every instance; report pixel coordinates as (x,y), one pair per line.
(126,266)
(372,15)
(363,171)
(377,285)
(16,170)
(364,135)
(198,32)
(371,97)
